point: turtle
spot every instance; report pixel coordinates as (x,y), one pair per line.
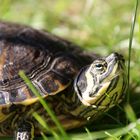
(78,85)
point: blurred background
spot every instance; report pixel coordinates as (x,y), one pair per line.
(93,24)
(101,26)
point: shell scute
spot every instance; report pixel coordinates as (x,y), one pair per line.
(21,94)
(51,83)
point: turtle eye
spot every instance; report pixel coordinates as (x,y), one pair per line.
(99,66)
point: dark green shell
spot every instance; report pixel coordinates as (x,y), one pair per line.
(51,63)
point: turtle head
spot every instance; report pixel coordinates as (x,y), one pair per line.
(103,83)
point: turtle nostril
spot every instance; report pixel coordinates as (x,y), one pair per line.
(118,56)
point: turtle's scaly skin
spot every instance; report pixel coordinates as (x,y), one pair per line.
(52,64)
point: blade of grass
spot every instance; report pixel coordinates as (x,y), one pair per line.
(44,137)
(89,134)
(113,118)
(44,124)
(130,113)
(132,116)
(102,134)
(111,136)
(130,45)
(44,104)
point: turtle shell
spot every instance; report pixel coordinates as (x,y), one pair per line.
(50,62)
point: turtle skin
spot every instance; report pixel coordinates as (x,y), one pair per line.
(50,62)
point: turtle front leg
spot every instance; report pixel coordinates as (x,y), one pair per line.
(25,131)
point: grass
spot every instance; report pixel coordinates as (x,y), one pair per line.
(130,45)
(95,25)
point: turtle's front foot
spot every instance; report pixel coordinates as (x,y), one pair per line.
(25,131)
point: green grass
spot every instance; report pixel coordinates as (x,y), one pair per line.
(95,25)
